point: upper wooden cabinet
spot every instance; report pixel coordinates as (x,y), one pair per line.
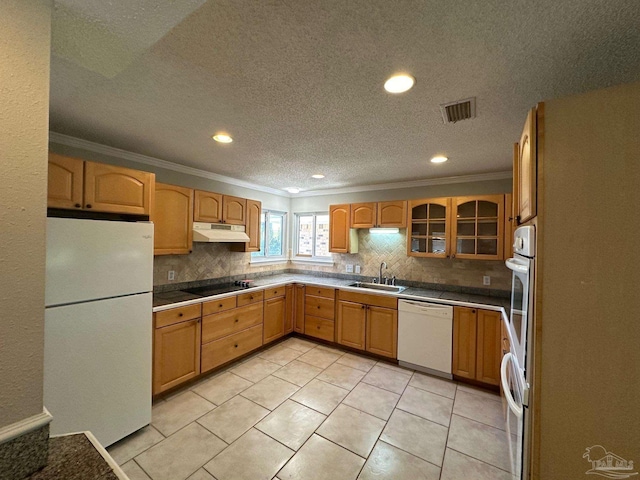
(212,207)
(381,214)
(65,182)
(172,217)
(477,227)
(509,226)
(342,239)
(429,228)
(254,211)
(78,184)
(525,174)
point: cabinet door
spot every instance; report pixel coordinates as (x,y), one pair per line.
(489,347)
(477,225)
(527,169)
(382,331)
(234,210)
(363,215)
(172,217)
(339,223)
(274,313)
(392,214)
(65,180)
(207,207)
(509,226)
(464,342)
(176,356)
(352,319)
(429,230)
(289,309)
(108,188)
(254,209)
(298,324)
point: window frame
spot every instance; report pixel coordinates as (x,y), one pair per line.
(313,258)
(265,257)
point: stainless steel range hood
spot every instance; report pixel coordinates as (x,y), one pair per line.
(213,232)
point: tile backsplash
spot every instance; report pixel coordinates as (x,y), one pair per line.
(215,260)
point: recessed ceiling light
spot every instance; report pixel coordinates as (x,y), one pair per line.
(292,190)
(317,175)
(439,159)
(399,83)
(222,138)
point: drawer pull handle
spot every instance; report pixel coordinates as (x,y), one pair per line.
(236,320)
(251,297)
(88,205)
(236,345)
(275,292)
(77,205)
(220,306)
(318,307)
(180,314)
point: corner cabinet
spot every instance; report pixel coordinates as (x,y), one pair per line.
(477,344)
(77,184)
(342,238)
(172,217)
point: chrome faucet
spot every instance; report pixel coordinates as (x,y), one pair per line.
(380,274)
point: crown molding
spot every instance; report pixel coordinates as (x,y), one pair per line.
(481,177)
(156,162)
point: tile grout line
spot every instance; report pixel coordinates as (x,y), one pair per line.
(480,460)
(446,442)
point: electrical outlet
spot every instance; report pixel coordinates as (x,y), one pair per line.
(349,268)
(172,275)
(486,280)
(357,268)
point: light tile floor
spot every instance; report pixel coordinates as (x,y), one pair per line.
(303,411)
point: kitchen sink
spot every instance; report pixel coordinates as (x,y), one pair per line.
(378,286)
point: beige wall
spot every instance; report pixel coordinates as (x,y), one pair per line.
(24,115)
(589,309)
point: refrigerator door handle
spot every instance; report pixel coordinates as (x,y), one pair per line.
(515,408)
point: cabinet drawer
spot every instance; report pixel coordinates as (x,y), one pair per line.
(215,306)
(319,307)
(250,297)
(226,349)
(274,292)
(175,315)
(319,328)
(321,292)
(368,299)
(222,324)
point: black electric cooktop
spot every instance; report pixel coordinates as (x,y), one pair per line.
(215,289)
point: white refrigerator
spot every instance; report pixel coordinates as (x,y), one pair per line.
(98,326)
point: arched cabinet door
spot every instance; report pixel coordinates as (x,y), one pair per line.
(429,228)
(65,181)
(173,220)
(477,227)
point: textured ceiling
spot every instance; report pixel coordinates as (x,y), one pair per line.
(298,83)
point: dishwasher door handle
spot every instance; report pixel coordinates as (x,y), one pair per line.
(426,308)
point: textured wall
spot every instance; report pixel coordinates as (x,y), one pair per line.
(216,260)
(24,96)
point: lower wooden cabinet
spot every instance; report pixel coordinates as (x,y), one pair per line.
(176,344)
(298,316)
(289,309)
(274,314)
(477,344)
(319,313)
(317,327)
(232,346)
(366,326)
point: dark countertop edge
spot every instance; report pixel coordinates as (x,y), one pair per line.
(343,284)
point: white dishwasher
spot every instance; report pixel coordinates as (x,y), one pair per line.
(425,336)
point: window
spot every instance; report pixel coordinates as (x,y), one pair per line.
(272,236)
(312,236)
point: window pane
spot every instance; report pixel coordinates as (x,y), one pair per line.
(275,235)
(305,235)
(322,236)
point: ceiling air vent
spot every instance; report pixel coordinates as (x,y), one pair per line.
(453,112)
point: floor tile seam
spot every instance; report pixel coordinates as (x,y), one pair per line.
(314,409)
(360,410)
(418,415)
(381,388)
(477,394)
(478,459)
(416,456)
(355,368)
(299,386)
(142,451)
(192,421)
(323,368)
(431,391)
(335,384)
(387,367)
(479,421)
(345,448)
(274,408)
(142,468)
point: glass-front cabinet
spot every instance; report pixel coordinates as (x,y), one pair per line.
(457,227)
(429,228)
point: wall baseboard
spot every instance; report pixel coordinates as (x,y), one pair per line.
(25,426)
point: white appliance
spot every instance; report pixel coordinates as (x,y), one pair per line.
(98,326)
(425,336)
(214,232)
(517,363)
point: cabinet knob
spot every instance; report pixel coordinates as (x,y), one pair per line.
(318,307)
(236,320)
(235,346)
(180,314)
(275,292)
(251,297)
(77,205)
(362,306)
(473,311)
(88,205)
(453,255)
(318,327)
(220,306)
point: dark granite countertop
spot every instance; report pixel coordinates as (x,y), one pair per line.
(167,299)
(74,457)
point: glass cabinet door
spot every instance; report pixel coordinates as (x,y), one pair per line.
(477,227)
(429,230)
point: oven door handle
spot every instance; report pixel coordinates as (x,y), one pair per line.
(515,266)
(515,408)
